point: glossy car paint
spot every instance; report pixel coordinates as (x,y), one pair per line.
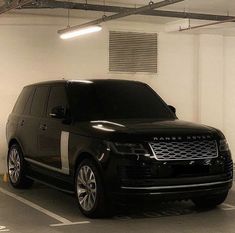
(42,140)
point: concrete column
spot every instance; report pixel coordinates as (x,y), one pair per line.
(211,80)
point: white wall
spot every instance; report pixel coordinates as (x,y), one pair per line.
(211,79)
(229,91)
(217,84)
(31,51)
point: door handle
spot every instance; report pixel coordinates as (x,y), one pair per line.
(43,127)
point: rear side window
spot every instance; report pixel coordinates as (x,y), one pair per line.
(57,98)
(29,101)
(39,101)
(22,100)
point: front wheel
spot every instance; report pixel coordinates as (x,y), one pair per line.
(210,201)
(89,190)
(17,168)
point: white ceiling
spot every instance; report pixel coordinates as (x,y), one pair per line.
(222,7)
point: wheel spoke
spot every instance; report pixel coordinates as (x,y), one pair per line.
(83,176)
(83,201)
(11,166)
(81,191)
(93,195)
(92,181)
(91,176)
(90,202)
(14,175)
(81,180)
(86,173)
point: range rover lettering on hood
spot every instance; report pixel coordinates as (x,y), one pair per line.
(181,138)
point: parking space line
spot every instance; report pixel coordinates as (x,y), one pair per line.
(3,229)
(226,206)
(69,224)
(63,221)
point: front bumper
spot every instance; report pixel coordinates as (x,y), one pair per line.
(128,177)
(189,190)
(179,187)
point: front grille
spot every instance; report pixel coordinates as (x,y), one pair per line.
(184,150)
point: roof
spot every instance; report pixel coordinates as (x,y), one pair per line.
(50,82)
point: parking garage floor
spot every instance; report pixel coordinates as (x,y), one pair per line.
(42,209)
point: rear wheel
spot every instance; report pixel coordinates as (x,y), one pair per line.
(17,168)
(210,201)
(89,189)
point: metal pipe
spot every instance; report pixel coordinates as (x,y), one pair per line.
(115,9)
(13,5)
(208,24)
(121,14)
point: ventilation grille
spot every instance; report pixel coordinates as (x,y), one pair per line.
(184,150)
(133,52)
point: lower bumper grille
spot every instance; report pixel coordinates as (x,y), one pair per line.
(177,170)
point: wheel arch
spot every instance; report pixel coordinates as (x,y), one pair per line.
(15,141)
(85,155)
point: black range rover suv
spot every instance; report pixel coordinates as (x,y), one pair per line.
(106,139)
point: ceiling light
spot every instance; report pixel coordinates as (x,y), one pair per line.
(68,34)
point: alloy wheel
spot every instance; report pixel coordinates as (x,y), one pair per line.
(14,165)
(86,188)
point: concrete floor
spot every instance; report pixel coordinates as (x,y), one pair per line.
(42,209)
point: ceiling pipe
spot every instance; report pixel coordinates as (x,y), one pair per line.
(208,24)
(151,5)
(13,5)
(115,9)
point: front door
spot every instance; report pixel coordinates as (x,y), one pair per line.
(53,133)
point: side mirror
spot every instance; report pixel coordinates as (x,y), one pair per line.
(173,109)
(58,112)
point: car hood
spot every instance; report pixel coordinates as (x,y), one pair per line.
(144,129)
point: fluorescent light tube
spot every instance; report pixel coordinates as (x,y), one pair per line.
(79,32)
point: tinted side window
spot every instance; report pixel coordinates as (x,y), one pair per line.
(57,98)
(83,102)
(116,100)
(39,101)
(29,101)
(21,101)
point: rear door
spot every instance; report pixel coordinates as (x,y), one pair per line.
(16,126)
(31,121)
(54,132)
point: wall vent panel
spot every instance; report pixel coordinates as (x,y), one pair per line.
(133,52)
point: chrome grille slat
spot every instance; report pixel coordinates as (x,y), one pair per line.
(184,150)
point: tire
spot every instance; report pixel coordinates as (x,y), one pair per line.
(17,168)
(90,191)
(210,201)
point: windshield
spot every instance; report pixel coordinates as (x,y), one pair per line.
(105,100)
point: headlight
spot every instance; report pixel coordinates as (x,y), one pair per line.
(129,148)
(223,145)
